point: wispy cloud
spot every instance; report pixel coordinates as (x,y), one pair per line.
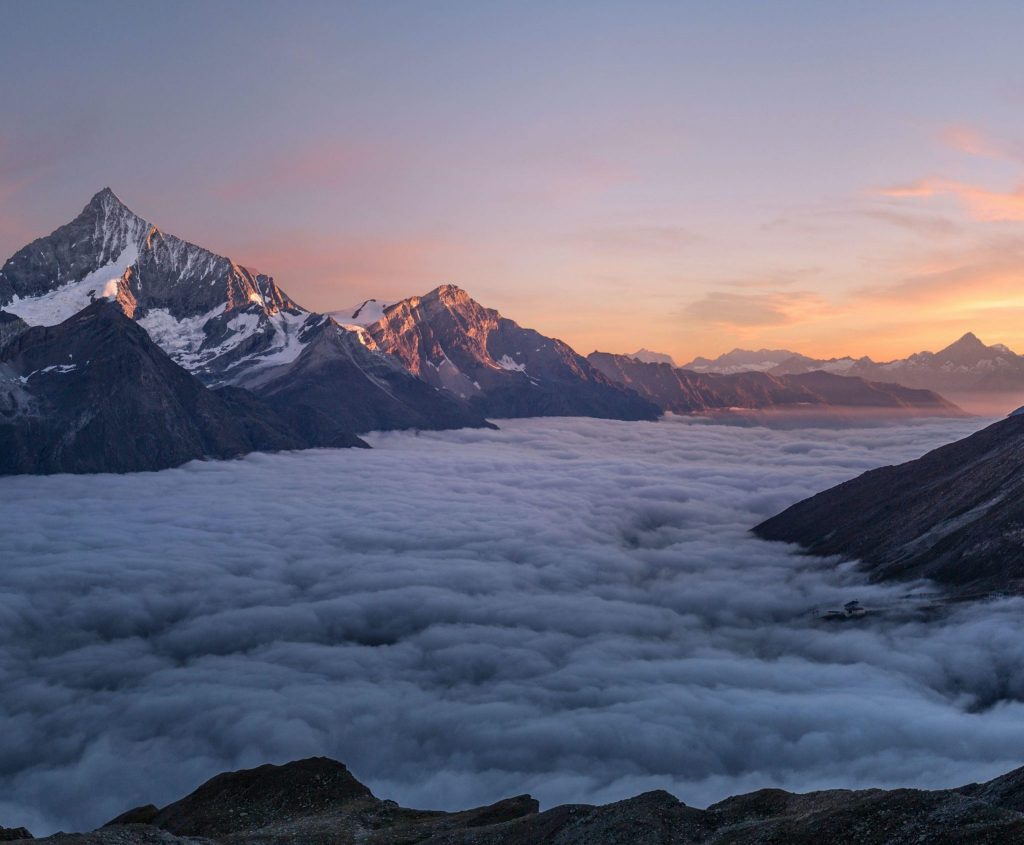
(739,310)
(973,141)
(981,204)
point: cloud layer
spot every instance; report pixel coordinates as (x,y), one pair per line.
(568,607)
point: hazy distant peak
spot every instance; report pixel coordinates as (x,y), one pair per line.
(648,356)
(741,360)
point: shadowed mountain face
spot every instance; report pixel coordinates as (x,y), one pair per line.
(95,394)
(319,801)
(682,391)
(495,365)
(10,327)
(315,392)
(955,515)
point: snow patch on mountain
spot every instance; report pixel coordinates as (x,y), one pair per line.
(58,305)
(506,363)
(366,313)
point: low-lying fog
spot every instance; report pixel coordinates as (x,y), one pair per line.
(572,608)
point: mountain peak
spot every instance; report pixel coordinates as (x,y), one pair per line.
(969,344)
(105,199)
(448,293)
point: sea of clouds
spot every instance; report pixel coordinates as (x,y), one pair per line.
(573,608)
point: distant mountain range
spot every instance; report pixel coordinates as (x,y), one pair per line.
(684,391)
(318,800)
(967,366)
(236,364)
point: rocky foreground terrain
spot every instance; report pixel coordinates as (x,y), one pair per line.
(319,801)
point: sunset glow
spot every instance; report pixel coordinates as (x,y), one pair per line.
(680,179)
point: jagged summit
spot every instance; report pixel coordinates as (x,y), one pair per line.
(106,198)
(448,292)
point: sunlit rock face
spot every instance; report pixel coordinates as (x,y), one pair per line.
(498,367)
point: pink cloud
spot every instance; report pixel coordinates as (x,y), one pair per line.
(980,203)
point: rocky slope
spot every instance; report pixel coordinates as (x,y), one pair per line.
(223,322)
(318,801)
(955,515)
(95,394)
(496,366)
(683,391)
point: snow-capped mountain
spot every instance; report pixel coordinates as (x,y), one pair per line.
(495,365)
(213,316)
(225,323)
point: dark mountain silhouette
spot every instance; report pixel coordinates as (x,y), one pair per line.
(318,801)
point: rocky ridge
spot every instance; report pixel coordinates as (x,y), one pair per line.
(318,801)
